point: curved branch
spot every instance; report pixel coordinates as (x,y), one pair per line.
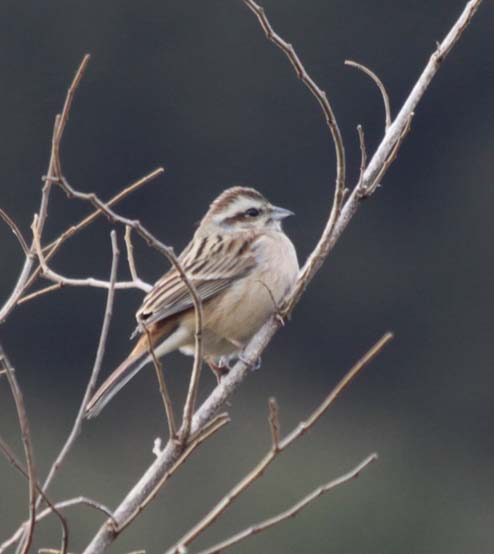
(380,86)
(106,534)
(18,235)
(25,544)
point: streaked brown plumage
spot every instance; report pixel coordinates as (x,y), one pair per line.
(241,264)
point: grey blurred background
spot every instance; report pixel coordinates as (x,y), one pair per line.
(194,86)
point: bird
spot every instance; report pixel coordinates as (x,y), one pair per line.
(241,264)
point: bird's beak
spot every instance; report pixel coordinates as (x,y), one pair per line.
(280,213)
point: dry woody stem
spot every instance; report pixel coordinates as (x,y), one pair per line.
(202,423)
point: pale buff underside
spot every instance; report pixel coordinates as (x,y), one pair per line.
(233,317)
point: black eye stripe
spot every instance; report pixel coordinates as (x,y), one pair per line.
(252,212)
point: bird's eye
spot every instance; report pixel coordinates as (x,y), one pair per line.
(252,212)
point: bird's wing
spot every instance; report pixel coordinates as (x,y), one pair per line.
(211,268)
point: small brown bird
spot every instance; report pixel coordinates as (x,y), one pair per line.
(242,265)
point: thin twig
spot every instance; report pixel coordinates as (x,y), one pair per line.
(231,382)
(152,241)
(130,253)
(55,508)
(363,152)
(13,227)
(11,457)
(276,448)
(94,215)
(163,388)
(76,429)
(40,292)
(76,502)
(274,423)
(62,281)
(52,248)
(290,512)
(370,189)
(64,116)
(313,263)
(25,277)
(380,86)
(28,448)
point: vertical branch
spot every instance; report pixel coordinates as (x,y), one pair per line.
(7,451)
(165,395)
(314,261)
(190,401)
(76,429)
(28,448)
(53,166)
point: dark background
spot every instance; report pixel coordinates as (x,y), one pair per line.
(195,86)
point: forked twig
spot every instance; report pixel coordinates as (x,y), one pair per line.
(218,423)
(25,544)
(292,511)
(9,454)
(314,262)
(389,160)
(76,429)
(277,447)
(60,120)
(168,252)
(105,535)
(52,248)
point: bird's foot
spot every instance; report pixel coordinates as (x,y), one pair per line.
(219,368)
(253,365)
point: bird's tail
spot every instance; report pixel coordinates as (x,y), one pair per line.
(115,382)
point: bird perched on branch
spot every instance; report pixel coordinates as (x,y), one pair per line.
(241,264)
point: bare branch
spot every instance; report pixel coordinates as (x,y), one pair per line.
(190,401)
(8,453)
(380,86)
(40,292)
(258,343)
(65,113)
(274,423)
(276,449)
(61,280)
(28,448)
(166,251)
(72,230)
(220,422)
(165,395)
(76,429)
(313,263)
(13,227)
(55,508)
(59,126)
(363,152)
(368,191)
(130,253)
(290,512)
(52,248)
